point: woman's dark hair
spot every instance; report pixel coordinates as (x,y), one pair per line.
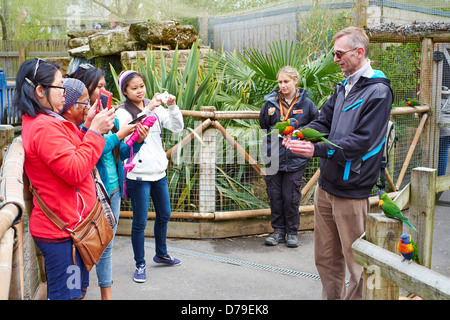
(89,75)
(127,80)
(32,73)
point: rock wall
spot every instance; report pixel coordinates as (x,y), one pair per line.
(139,36)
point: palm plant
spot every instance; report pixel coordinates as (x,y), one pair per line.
(254,73)
(198,85)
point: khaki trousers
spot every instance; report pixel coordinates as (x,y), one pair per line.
(338,222)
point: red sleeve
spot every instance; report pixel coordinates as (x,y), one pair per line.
(69,155)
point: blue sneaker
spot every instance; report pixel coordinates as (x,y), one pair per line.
(167,260)
(139,274)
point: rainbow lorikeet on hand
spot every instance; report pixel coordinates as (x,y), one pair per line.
(411,102)
(408,248)
(285,127)
(309,134)
(390,208)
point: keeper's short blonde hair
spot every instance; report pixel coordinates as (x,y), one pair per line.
(290,72)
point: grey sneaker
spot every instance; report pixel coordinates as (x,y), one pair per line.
(139,274)
(292,241)
(274,239)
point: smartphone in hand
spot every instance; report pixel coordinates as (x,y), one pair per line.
(137,119)
(105,98)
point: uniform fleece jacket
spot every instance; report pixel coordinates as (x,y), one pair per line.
(59,159)
(358,123)
(304,111)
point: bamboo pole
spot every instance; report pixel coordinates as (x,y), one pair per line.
(389,180)
(216,115)
(172,152)
(411,150)
(311,182)
(238,148)
(8,214)
(225,215)
(6,252)
(409,110)
(16,291)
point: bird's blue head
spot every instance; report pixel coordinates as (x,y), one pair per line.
(405,238)
(380,193)
(293,122)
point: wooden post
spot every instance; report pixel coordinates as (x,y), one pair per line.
(383,232)
(428,82)
(207,164)
(421,210)
(22,55)
(361,13)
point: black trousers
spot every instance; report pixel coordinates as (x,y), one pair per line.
(284,191)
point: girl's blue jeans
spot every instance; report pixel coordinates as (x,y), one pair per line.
(140,193)
(104,265)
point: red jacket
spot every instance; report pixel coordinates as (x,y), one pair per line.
(59,159)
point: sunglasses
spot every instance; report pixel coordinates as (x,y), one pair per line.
(339,54)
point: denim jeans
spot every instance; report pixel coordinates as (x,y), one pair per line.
(104,265)
(444,144)
(140,193)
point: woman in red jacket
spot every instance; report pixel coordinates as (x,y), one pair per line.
(59,158)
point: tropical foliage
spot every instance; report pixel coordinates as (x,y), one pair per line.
(228,81)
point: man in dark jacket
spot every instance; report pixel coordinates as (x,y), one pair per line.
(284,169)
(355,118)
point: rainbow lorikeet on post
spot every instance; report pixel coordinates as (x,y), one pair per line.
(309,134)
(411,102)
(285,127)
(390,208)
(408,248)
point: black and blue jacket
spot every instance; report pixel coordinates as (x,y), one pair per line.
(304,110)
(358,123)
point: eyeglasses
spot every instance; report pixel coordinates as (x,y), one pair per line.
(87,103)
(38,60)
(58,87)
(339,54)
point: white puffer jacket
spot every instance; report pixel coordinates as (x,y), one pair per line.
(151,161)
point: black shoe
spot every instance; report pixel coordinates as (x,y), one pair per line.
(274,239)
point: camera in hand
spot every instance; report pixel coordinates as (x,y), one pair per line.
(164,97)
(148,122)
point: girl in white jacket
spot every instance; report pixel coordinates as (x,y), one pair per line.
(148,177)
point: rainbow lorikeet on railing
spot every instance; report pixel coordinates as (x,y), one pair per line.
(285,127)
(412,102)
(408,249)
(391,209)
(309,134)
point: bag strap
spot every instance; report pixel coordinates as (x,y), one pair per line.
(49,213)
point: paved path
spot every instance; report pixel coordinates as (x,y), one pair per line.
(237,269)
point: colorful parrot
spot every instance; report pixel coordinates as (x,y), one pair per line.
(390,208)
(309,134)
(411,102)
(408,249)
(285,127)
